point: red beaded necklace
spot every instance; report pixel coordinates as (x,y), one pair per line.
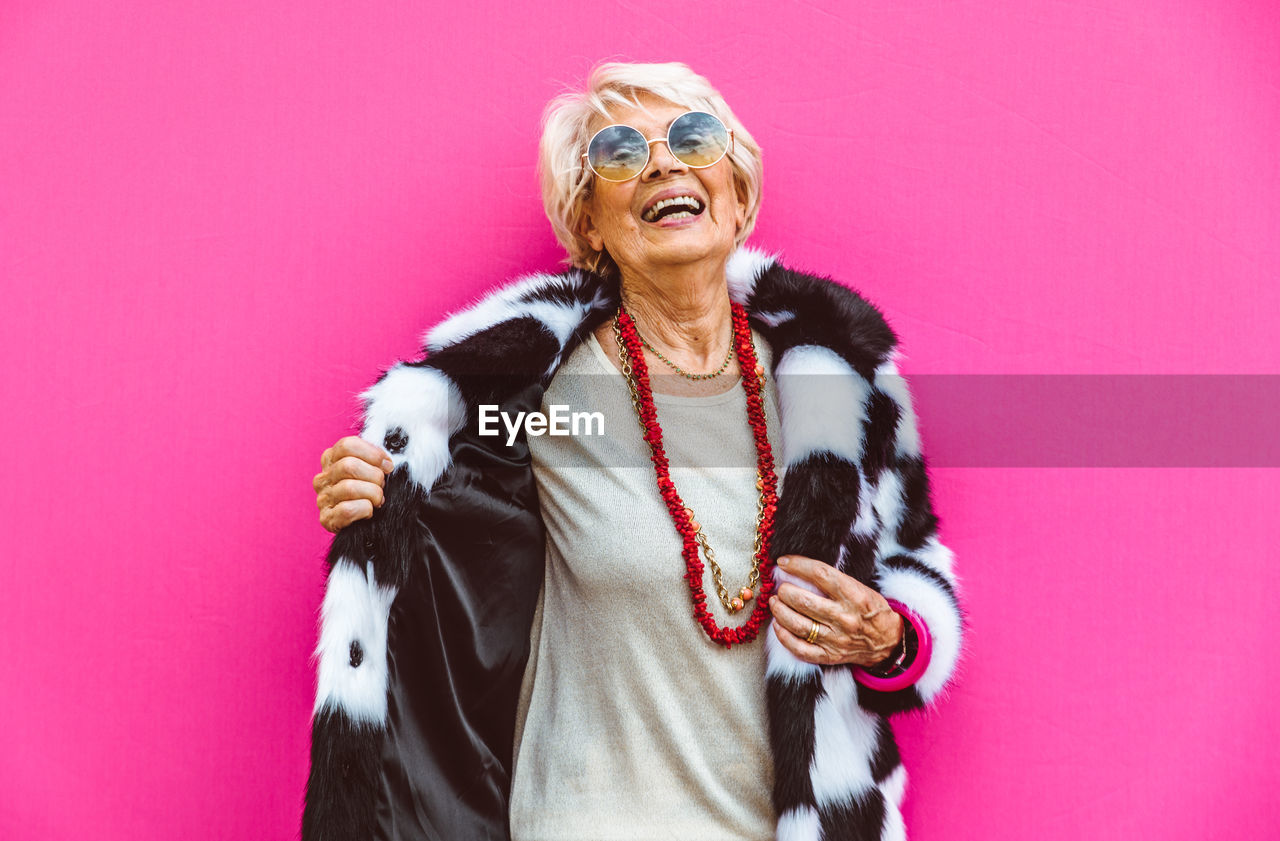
(637,374)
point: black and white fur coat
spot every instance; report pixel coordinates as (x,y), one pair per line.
(429,605)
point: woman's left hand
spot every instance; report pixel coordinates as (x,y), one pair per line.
(855,623)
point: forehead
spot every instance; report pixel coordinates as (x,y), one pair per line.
(654,114)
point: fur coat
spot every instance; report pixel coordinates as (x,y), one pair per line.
(428,605)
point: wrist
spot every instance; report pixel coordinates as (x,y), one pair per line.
(908,661)
(898,653)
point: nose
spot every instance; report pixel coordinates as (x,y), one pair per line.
(661,161)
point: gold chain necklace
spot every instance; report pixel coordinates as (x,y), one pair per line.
(673,366)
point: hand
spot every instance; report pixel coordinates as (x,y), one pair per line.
(349,484)
(856,624)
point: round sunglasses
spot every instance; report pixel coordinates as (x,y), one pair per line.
(695,138)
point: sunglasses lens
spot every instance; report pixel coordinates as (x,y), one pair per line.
(617,153)
(698,138)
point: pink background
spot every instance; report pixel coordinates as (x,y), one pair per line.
(218,221)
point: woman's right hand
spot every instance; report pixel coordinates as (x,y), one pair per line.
(349,484)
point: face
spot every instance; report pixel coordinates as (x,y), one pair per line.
(619,217)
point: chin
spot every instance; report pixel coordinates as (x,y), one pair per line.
(693,250)
(689,256)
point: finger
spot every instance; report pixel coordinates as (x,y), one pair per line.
(798,623)
(840,587)
(344,514)
(354,445)
(822,575)
(351,467)
(801,649)
(809,603)
(348,490)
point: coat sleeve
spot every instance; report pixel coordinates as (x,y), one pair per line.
(428,607)
(411,412)
(912,565)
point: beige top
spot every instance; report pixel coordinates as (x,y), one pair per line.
(632,724)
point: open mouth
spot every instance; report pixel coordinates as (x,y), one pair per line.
(676,207)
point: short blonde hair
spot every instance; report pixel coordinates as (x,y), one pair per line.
(566,181)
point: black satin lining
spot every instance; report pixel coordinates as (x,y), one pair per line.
(458,642)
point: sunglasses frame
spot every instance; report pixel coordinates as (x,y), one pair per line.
(586,156)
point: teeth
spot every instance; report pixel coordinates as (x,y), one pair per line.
(687,201)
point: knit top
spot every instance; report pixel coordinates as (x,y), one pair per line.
(632,724)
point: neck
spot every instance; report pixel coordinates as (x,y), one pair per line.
(684,311)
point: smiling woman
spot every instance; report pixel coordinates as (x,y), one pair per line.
(631,96)
(675,216)
(556,653)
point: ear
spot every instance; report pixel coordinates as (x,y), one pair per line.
(587,230)
(741,213)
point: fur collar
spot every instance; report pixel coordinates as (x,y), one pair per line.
(516,337)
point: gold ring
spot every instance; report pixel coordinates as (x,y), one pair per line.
(814,633)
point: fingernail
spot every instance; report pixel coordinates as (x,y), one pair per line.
(387,465)
(783,561)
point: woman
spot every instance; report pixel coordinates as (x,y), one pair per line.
(586,636)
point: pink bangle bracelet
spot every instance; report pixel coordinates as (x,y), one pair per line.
(913,672)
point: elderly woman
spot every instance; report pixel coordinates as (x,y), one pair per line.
(642,633)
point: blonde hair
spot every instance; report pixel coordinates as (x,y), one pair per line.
(566,180)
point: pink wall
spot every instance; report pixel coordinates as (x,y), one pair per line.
(218,220)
